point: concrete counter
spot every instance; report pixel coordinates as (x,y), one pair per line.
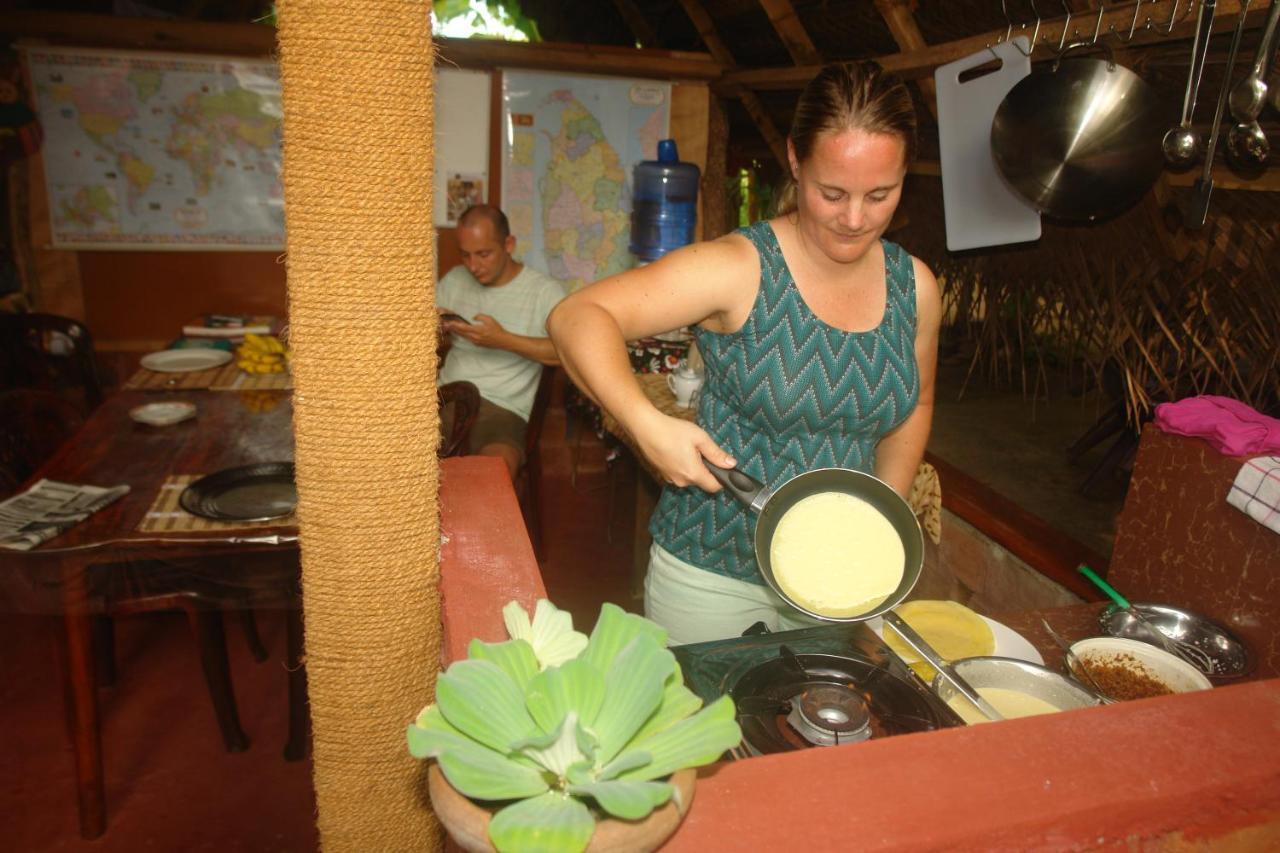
(1193,771)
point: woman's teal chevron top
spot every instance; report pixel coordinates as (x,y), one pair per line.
(786,394)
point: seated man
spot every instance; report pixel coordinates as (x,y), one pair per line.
(499,334)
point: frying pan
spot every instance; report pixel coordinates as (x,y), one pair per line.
(1081,140)
(771,504)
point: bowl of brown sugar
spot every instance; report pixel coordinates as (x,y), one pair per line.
(1128,669)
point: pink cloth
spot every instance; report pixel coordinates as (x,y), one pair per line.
(1230,426)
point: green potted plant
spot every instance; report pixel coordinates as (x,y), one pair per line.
(551,739)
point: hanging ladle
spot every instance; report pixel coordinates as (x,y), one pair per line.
(1247,145)
(1181,144)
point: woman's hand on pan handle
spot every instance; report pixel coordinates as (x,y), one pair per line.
(677,449)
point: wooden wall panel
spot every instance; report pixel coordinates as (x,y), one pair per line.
(139,300)
(53,275)
(690,118)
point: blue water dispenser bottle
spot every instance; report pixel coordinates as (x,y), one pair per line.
(664,203)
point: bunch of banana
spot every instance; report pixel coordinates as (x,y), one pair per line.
(259,401)
(261,354)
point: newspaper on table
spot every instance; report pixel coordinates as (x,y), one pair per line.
(48,508)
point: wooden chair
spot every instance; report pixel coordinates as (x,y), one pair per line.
(459,405)
(529,480)
(50,352)
(204,591)
(33,425)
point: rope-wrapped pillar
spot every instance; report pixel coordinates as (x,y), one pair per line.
(357,78)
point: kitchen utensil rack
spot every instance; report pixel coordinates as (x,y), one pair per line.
(1068,34)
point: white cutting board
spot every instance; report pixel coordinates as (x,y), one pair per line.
(979,206)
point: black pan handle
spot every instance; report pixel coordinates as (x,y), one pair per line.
(748,490)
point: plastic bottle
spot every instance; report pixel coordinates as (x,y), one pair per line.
(664,203)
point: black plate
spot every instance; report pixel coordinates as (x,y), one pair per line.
(249,493)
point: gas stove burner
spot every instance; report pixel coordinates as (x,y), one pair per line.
(798,701)
(813,687)
(829,714)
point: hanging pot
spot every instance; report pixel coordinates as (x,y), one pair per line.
(1081,139)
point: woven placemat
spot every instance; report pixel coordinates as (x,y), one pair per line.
(233,378)
(154,380)
(165,516)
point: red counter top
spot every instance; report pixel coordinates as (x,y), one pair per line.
(1176,772)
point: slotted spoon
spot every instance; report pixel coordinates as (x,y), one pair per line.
(1193,655)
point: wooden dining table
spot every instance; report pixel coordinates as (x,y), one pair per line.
(229,429)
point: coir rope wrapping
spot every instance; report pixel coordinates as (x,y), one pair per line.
(357,80)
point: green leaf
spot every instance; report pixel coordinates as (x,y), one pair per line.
(514,657)
(550,633)
(557,752)
(629,760)
(573,686)
(552,821)
(430,743)
(480,700)
(678,702)
(699,740)
(446,9)
(614,630)
(627,800)
(431,734)
(633,690)
(582,773)
(483,774)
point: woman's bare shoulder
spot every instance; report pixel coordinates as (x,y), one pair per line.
(733,248)
(928,294)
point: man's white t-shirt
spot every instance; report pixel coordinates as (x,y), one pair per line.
(521,306)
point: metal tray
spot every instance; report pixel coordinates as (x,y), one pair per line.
(258,492)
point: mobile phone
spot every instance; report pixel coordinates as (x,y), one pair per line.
(457,318)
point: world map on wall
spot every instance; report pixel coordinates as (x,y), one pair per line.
(152,151)
(570,143)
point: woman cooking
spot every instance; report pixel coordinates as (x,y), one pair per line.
(820,343)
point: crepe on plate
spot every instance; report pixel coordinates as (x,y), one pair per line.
(952,629)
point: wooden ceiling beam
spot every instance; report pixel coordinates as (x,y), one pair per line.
(706,28)
(764,123)
(750,100)
(792,32)
(1223,178)
(636,22)
(583,58)
(915,64)
(172,34)
(260,40)
(899,17)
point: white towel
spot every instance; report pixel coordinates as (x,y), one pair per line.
(1256,491)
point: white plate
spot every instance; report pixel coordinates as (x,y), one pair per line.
(162,414)
(185,360)
(1009,643)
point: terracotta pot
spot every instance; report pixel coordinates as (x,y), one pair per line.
(468,823)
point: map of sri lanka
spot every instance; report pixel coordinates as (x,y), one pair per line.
(585,222)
